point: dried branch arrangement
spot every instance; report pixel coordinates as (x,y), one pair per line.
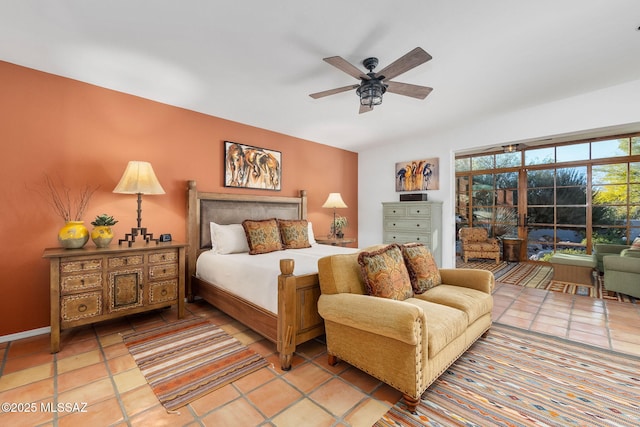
(59,198)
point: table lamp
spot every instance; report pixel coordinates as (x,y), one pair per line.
(138,178)
(334,201)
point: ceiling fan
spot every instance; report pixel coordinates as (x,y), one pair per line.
(373,85)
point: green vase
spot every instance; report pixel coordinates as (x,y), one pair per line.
(73,235)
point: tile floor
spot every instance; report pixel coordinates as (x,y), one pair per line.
(95,368)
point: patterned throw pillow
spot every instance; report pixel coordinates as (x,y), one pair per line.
(423,271)
(635,246)
(385,274)
(262,236)
(294,233)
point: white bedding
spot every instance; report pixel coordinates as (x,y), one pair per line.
(255,277)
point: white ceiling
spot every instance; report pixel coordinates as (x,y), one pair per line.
(255,62)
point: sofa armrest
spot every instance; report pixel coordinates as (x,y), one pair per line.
(628,264)
(608,248)
(630,253)
(481,280)
(381,316)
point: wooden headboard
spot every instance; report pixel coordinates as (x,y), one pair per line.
(222,208)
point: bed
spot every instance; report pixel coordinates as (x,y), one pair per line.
(294,319)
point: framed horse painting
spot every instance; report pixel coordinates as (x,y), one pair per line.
(417,175)
(246,166)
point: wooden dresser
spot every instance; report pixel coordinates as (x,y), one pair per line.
(420,222)
(93,284)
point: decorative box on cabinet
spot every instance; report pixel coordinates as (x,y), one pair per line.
(421,222)
(93,284)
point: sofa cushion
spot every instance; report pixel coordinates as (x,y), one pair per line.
(262,236)
(635,246)
(444,323)
(385,274)
(630,253)
(294,233)
(422,268)
(472,302)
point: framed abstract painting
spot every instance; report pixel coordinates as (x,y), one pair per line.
(246,166)
(417,175)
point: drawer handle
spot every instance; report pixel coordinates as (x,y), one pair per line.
(164,271)
(82,308)
(418,211)
(126,261)
(82,282)
(163,257)
(417,225)
(82,265)
(394,224)
(394,211)
(417,238)
(164,292)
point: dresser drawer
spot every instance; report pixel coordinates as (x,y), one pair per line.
(390,237)
(419,211)
(80,306)
(394,211)
(75,266)
(163,271)
(165,256)
(412,225)
(163,291)
(82,282)
(125,261)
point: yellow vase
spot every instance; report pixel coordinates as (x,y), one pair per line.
(73,235)
(102,235)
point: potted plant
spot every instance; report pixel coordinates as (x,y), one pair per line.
(338,225)
(102,233)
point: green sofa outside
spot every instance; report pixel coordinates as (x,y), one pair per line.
(603,249)
(622,272)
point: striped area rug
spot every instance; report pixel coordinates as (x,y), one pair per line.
(527,275)
(522,274)
(187,359)
(519,378)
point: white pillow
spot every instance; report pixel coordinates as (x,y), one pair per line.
(228,239)
(312,239)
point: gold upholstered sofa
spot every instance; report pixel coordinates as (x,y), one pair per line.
(406,339)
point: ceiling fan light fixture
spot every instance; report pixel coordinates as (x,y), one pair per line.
(370,93)
(511,148)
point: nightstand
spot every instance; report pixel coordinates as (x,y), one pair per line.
(94,284)
(335,241)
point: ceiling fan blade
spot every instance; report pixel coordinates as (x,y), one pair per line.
(347,67)
(365,109)
(411,60)
(406,89)
(333,91)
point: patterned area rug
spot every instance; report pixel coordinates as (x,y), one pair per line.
(596,290)
(522,273)
(187,359)
(539,276)
(519,378)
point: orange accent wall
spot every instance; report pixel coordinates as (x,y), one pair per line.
(85,135)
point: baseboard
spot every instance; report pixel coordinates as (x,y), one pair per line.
(25,334)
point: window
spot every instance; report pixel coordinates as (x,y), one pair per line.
(565,197)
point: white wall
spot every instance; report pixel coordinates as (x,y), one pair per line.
(615,107)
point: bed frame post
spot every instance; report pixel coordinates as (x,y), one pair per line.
(287,330)
(193,235)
